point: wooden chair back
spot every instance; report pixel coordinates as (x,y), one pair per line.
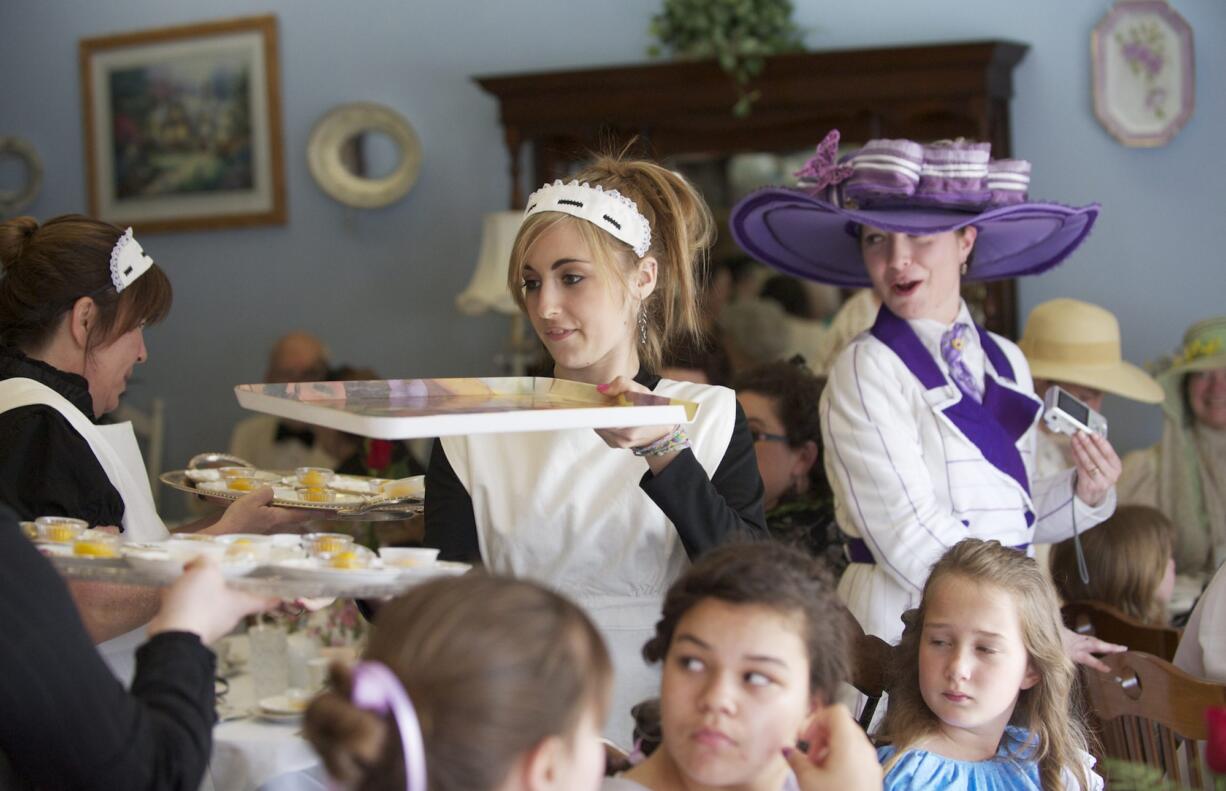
(870,665)
(1148,711)
(616,760)
(1107,623)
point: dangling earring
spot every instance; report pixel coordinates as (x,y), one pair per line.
(643,326)
(965,267)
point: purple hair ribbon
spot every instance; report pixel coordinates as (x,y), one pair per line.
(376,688)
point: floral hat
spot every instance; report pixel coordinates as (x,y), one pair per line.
(813,231)
(1203,349)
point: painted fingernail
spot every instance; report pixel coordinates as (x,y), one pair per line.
(601,388)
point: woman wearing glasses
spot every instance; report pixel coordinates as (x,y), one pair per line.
(780,403)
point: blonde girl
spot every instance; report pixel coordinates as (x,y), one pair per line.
(473,683)
(982,683)
(1129,560)
(605,269)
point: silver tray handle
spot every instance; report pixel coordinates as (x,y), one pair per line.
(215,459)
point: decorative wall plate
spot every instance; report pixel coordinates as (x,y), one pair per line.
(330,163)
(1144,79)
(13,201)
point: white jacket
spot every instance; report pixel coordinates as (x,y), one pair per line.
(909,480)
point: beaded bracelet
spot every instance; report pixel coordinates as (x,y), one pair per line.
(676,440)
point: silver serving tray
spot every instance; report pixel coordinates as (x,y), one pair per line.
(371,510)
(263,581)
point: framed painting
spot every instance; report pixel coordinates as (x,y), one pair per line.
(1144,78)
(183,126)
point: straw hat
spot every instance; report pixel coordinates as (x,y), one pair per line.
(1067,340)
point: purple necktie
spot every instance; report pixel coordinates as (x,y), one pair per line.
(953,342)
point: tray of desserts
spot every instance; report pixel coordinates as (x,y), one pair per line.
(284,566)
(343,497)
(409,408)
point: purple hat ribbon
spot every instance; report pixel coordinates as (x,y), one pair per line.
(823,168)
(376,688)
(949,174)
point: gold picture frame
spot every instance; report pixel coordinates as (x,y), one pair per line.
(183,126)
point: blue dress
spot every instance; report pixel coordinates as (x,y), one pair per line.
(1008,771)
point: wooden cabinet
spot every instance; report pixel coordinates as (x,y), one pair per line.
(683,109)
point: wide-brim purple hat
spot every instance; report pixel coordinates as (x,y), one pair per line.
(906,187)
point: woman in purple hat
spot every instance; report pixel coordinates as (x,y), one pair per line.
(929,420)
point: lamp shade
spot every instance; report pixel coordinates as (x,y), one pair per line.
(487,290)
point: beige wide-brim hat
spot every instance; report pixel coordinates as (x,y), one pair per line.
(1067,340)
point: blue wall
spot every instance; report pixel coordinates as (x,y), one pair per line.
(379,285)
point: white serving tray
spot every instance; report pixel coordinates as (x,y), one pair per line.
(410,408)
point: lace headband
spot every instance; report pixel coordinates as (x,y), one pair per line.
(128,261)
(606,209)
(376,688)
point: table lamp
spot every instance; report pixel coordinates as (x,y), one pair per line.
(487,289)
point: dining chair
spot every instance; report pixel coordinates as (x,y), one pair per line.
(1147,711)
(871,658)
(1108,623)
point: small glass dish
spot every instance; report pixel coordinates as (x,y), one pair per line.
(96,544)
(246,546)
(243,483)
(285,546)
(313,477)
(320,544)
(354,556)
(59,529)
(189,546)
(236,472)
(314,494)
(408,557)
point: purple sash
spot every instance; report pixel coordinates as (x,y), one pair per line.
(994,426)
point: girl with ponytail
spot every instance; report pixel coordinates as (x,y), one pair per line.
(472,683)
(605,268)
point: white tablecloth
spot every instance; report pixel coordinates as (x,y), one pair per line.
(251,753)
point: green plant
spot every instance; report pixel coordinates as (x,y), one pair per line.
(739,34)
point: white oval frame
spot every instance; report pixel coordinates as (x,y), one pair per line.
(13,201)
(332,132)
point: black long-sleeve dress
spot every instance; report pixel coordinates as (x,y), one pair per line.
(65,721)
(706,510)
(46,467)
(595,523)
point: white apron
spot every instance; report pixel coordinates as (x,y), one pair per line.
(565,509)
(116,450)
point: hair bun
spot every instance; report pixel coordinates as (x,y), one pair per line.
(14,235)
(348,739)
